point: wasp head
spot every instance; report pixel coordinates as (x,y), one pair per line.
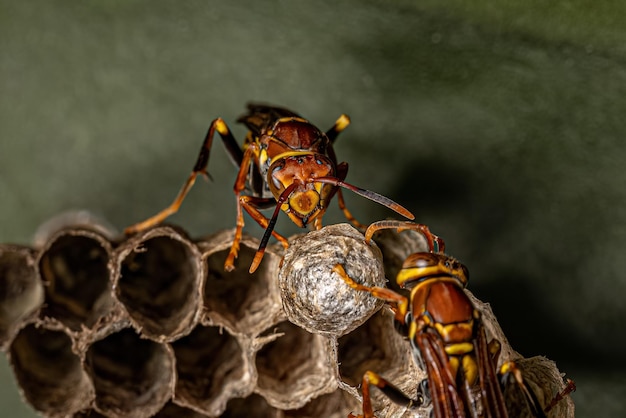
(308,199)
(420,266)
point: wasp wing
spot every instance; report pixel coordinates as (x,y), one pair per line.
(491,392)
(447,402)
(261,116)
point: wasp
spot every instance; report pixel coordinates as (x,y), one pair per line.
(285,162)
(447,337)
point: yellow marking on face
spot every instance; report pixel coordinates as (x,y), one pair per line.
(221,127)
(284,207)
(471,369)
(304,202)
(459,348)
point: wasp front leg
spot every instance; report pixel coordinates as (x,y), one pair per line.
(399,303)
(250,204)
(200,168)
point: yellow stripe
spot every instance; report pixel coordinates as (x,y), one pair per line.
(291,154)
(445,329)
(460,348)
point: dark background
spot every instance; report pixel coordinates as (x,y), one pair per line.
(501,126)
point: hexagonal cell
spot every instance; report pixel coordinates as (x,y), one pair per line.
(171,410)
(378,347)
(21,292)
(74,269)
(211,368)
(337,404)
(253,406)
(295,367)
(159,282)
(49,372)
(546,381)
(247,303)
(133,377)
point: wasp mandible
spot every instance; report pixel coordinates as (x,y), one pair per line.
(285,162)
(447,337)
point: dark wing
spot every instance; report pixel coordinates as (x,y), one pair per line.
(493,399)
(261,116)
(447,402)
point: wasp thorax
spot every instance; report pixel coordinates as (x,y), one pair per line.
(297,133)
(420,266)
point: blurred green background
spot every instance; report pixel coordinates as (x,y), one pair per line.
(500,124)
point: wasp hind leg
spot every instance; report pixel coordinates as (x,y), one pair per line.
(200,168)
(392,392)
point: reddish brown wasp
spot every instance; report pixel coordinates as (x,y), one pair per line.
(286,162)
(447,336)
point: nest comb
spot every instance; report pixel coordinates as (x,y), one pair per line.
(152,325)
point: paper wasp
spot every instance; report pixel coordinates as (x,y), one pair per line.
(285,162)
(447,337)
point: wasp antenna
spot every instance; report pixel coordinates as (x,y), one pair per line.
(378,198)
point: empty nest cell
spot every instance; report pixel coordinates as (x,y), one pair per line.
(203,341)
(295,367)
(74,270)
(337,404)
(158,284)
(21,292)
(378,347)
(253,406)
(132,376)
(244,302)
(49,372)
(211,368)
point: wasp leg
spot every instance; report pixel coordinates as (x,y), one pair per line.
(199,168)
(487,356)
(400,303)
(510,368)
(250,204)
(342,123)
(400,226)
(392,392)
(570,387)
